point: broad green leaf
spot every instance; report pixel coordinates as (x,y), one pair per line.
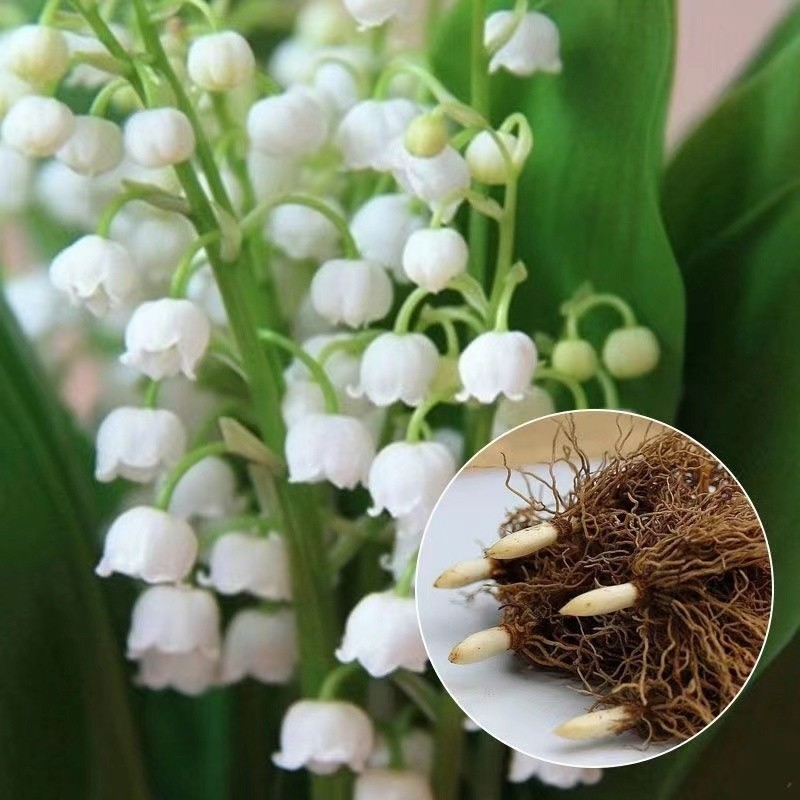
(589,199)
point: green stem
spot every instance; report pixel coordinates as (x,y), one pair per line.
(610,393)
(151,394)
(578,392)
(449,743)
(334,680)
(403,321)
(417,421)
(577,310)
(182,467)
(117,204)
(103,98)
(405,584)
(419,691)
(513,278)
(505,247)
(185,269)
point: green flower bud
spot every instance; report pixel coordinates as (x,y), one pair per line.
(631,352)
(576,358)
(426,136)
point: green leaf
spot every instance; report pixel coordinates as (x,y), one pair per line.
(589,198)
(65,724)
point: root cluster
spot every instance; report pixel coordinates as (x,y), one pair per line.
(675,522)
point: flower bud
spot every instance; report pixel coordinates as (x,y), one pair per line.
(434,256)
(36,53)
(288,125)
(329,447)
(397,367)
(381,228)
(37,126)
(15,188)
(392,784)
(138,444)
(149,544)
(533,47)
(94,147)
(372,13)
(159,137)
(408,477)
(487,164)
(302,232)
(98,273)
(174,619)
(368,127)
(426,136)
(535,403)
(576,358)
(12,89)
(240,562)
(260,645)
(352,291)
(166,337)
(631,352)
(207,490)
(219,62)
(522,768)
(324,735)
(382,634)
(496,363)
(189,673)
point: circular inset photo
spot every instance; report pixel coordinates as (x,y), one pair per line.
(594,588)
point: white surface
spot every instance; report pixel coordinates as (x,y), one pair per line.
(520,707)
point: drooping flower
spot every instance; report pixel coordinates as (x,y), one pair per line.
(397,367)
(300,399)
(368,127)
(138,444)
(261,645)
(408,477)
(329,447)
(631,352)
(166,337)
(149,544)
(324,735)
(522,768)
(207,490)
(382,634)
(174,619)
(353,291)
(336,86)
(36,53)
(497,363)
(533,47)
(219,62)
(159,137)
(371,13)
(302,232)
(392,784)
(190,673)
(434,256)
(576,358)
(37,126)
(241,562)
(97,273)
(94,147)
(485,160)
(535,403)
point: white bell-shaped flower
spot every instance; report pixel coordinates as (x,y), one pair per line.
(371,13)
(368,127)
(324,735)
(329,447)
(352,291)
(138,444)
(15,188)
(260,645)
(535,403)
(149,544)
(392,784)
(166,337)
(486,162)
(94,147)
(97,273)
(188,673)
(416,746)
(300,399)
(207,490)
(522,768)
(37,126)
(336,86)
(407,539)
(289,125)
(381,228)
(38,54)
(434,256)
(271,176)
(408,477)
(242,562)
(219,62)
(302,232)
(534,46)
(174,619)
(397,367)
(159,137)
(12,89)
(497,363)
(631,352)
(382,634)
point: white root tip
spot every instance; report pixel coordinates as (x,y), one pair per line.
(524,542)
(596,724)
(602,601)
(465,573)
(481,645)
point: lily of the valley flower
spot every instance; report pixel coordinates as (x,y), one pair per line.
(166,337)
(383,635)
(485,160)
(497,363)
(329,447)
(324,735)
(522,768)
(576,358)
(241,562)
(159,137)
(207,490)
(174,619)
(37,126)
(260,645)
(188,673)
(408,477)
(397,367)
(535,403)
(138,444)
(533,47)
(300,399)
(392,784)
(149,544)
(12,89)
(352,291)
(219,62)
(433,257)
(36,53)
(94,147)
(371,13)
(303,232)
(98,273)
